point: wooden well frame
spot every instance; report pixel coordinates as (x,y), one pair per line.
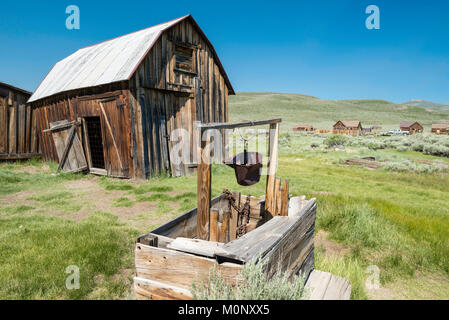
(174,256)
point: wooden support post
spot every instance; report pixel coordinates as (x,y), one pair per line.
(272,166)
(285,191)
(214,225)
(276,204)
(224,227)
(203,190)
(233,224)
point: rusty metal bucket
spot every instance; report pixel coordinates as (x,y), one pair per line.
(247,167)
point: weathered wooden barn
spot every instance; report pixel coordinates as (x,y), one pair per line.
(18,138)
(440,128)
(352,127)
(126,96)
(411,127)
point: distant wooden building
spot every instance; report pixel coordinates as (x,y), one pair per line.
(440,128)
(18,138)
(367,131)
(126,97)
(411,127)
(351,127)
(304,128)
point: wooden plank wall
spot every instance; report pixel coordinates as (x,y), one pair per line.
(17,124)
(162,94)
(84,103)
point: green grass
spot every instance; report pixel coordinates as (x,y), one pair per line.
(13,181)
(123,202)
(398,221)
(36,250)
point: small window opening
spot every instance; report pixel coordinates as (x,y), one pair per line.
(184,58)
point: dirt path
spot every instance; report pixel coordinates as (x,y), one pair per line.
(86,197)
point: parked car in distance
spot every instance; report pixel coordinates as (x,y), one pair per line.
(398,131)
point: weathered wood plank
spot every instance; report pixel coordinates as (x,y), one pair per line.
(208,126)
(263,239)
(214,225)
(276,206)
(204,190)
(13,129)
(284,200)
(3,125)
(196,246)
(224,229)
(325,286)
(178,268)
(152,290)
(272,167)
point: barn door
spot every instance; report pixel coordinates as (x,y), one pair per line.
(68,146)
(105,136)
(114,137)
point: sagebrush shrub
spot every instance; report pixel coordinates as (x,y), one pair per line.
(253,285)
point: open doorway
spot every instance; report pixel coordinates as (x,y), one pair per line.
(94,143)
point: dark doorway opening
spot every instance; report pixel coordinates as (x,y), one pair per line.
(95,139)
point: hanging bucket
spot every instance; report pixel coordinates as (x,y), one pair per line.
(247,167)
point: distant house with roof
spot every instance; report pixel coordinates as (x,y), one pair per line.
(440,128)
(411,127)
(304,128)
(349,127)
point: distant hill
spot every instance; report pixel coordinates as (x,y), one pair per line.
(304,109)
(428,105)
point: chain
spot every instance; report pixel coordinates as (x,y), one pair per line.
(243,212)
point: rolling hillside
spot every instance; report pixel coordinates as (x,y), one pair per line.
(296,108)
(428,105)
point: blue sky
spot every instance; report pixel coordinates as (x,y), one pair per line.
(320,48)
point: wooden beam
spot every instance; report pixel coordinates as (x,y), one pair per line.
(233,224)
(285,191)
(146,289)
(213,225)
(276,204)
(272,167)
(204,190)
(226,125)
(20,156)
(223,237)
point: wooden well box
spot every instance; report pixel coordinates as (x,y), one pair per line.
(169,259)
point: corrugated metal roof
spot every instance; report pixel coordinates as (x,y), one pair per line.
(107,62)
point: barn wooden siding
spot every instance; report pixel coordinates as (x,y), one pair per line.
(18,138)
(166,98)
(115,123)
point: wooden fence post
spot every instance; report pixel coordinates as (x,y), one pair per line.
(204,189)
(272,166)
